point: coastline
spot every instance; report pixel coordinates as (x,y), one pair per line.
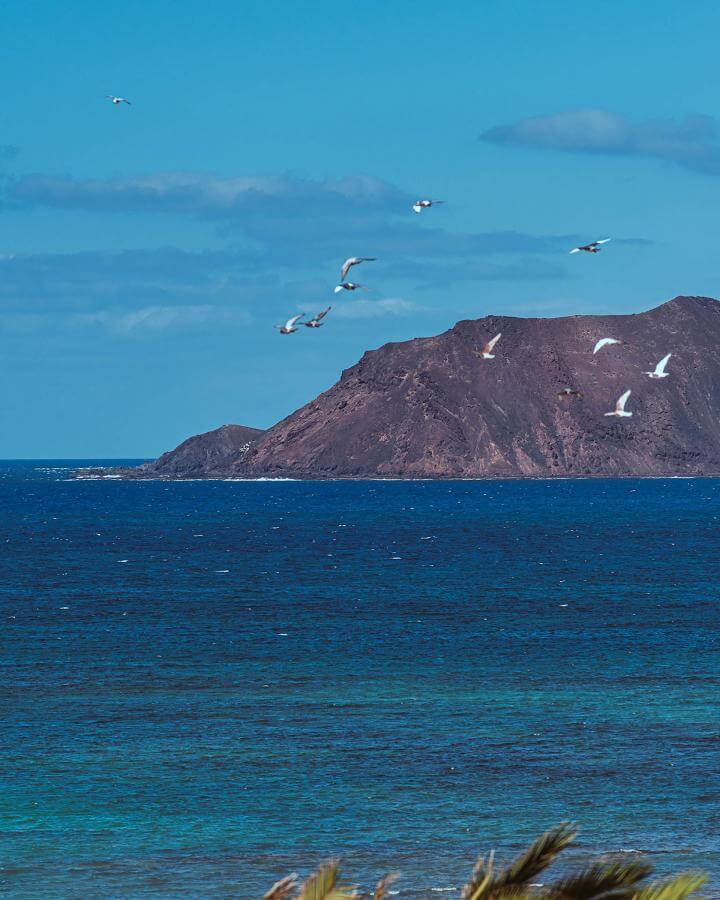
(380,478)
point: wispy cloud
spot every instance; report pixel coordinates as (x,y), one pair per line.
(691,142)
(162,277)
(147,320)
(287,237)
(373,309)
(390,237)
(433,274)
(162,318)
(27,322)
(205,195)
(304,220)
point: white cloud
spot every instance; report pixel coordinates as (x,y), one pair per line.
(690,142)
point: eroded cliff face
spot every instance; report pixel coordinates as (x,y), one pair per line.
(430,408)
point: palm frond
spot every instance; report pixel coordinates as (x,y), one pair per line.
(624,894)
(607,879)
(534,860)
(518,892)
(323,884)
(281,889)
(382,886)
(600,878)
(480,879)
(675,889)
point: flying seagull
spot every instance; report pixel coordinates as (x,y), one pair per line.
(660,368)
(118,100)
(420,205)
(349,286)
(315,321)
(570,392)
(592,247)
(604,342)
(290,325)
(619,410)
(486,352)
(353,261)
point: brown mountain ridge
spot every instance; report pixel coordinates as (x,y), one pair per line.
(430,408)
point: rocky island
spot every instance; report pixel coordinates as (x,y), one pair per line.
(432,408)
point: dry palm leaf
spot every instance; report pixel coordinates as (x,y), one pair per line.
(281,889)
(383,885)
(323,885)
(479,880)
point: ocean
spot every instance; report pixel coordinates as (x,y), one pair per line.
(207,685)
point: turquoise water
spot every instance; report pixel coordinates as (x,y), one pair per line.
(209,684)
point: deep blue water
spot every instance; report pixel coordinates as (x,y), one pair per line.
(209,684)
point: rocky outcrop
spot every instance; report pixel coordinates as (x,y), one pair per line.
(207,455)
(430,408)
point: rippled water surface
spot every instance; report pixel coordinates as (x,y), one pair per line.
(208,684)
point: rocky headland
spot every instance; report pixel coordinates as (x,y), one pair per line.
(431,408)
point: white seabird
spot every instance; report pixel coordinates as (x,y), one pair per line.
(619,410)
(592,247)
(290,325)
(118,100)
(486,352)
(349,286)
(660,368)
(315,321)
(420,205)
(570,392)
(354,261)
(605,342)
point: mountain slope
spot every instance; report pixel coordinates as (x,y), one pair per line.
(430,408)
(203,455)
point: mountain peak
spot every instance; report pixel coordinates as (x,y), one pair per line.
(689,302)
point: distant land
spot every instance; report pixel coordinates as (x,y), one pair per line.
(430,408)
(202,456)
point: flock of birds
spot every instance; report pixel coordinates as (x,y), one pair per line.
(619,411)
(291,326)
(293,323)
(487,351)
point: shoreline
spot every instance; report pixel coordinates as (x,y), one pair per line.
(380,478)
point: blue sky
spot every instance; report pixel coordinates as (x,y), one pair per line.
(147,251)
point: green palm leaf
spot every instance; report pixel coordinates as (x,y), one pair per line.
(534,860)
(675,889)
(601,878)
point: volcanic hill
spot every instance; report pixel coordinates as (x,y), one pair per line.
(431,408)
(202,456)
